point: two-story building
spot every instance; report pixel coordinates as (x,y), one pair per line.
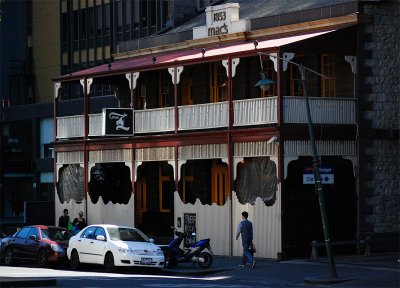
(209,120)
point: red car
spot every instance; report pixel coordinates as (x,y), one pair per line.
(39,243)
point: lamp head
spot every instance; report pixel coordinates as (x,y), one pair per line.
(264,83)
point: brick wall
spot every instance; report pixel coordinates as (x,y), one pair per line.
(379,96)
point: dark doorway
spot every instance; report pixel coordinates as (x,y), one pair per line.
(154,200)
(301,212)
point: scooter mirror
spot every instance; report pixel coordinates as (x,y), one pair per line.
(151,240)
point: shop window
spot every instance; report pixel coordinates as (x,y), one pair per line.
(256,177)
(218,83)
(328,85)
(70,185)
(205,180)
(110,181)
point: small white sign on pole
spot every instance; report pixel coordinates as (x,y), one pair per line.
(326,172)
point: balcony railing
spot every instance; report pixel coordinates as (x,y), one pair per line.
(203,116)
(323,110)
(259,111)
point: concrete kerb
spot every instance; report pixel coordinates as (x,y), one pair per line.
(27,282)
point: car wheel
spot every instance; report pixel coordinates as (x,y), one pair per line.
(109,262)
(75,260)
(208,260)
(9,257)
(42,258)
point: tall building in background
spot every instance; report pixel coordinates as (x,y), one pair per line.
(42,39)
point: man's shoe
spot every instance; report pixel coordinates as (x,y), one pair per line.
(241,265)
(254,264)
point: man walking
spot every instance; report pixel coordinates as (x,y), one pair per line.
(245,229)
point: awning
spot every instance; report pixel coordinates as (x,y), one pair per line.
(184,57)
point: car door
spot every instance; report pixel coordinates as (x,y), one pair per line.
(31,246)
(84,245)
(98,247)
(18,242)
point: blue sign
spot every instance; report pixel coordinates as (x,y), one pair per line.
(326,172)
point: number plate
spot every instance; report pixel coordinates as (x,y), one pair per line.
(145,261)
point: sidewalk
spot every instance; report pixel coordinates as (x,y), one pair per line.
(379,270)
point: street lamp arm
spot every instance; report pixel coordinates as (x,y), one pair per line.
(291,62)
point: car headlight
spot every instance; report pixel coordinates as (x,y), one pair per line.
(125,250)
(160,252)
(56,248)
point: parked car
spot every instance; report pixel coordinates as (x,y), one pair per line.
(112,245)
(39,243)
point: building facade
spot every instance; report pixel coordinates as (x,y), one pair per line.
(191,142)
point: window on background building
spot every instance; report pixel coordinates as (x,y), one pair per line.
(107,19)
(75,25)
(91,22)
(218,83)
(46,186)
(83,23)
(46,138)
(328,85)
(99,22)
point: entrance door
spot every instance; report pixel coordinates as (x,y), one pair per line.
(140,199)
(302,219)
(219,183)
(154,196)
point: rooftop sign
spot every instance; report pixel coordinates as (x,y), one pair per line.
(221,20)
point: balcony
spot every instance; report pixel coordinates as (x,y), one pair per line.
(259,111)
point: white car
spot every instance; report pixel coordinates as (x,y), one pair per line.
(112,245)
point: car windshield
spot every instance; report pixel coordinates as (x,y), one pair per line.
(55,234)
(126,234)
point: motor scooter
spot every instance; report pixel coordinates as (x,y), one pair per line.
(194,253)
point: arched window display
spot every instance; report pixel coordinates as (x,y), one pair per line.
(111,181)
(256,177)
(70,185)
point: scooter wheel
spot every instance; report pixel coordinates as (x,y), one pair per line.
(208,260)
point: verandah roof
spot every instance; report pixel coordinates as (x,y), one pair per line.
(187,56)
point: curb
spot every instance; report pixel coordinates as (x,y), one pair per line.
(26,282)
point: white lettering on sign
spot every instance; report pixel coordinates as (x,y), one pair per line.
(220,20)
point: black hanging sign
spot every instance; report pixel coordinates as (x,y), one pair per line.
(117,122)
(189,227)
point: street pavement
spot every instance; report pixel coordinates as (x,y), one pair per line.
(379,270)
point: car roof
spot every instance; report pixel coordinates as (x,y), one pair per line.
(111,226)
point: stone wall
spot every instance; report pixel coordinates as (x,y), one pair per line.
(379,112)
